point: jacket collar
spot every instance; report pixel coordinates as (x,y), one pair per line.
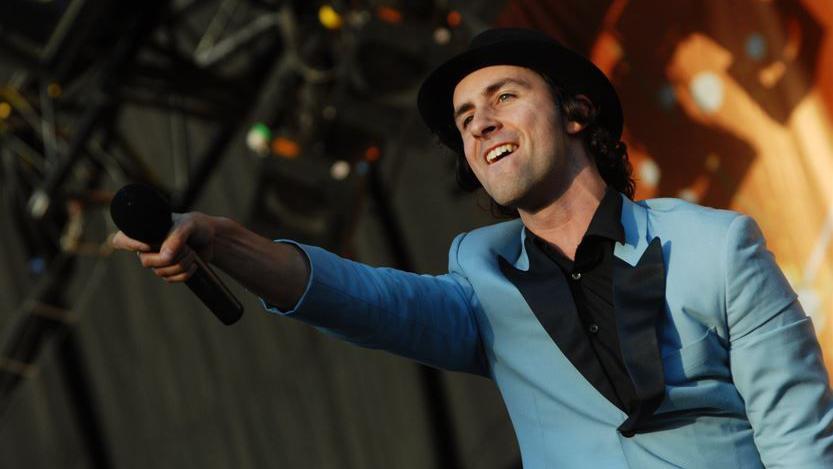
(637,236)
(639,301)
(634,222)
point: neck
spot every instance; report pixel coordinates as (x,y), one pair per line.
(564,221)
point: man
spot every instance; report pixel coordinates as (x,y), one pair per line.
(621,334)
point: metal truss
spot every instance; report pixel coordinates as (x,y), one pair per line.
(63,151)
(225,64)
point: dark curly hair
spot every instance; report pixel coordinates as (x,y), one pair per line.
(610,155)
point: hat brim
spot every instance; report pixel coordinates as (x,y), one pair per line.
(566,68)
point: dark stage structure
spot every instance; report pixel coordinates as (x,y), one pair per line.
(294,117)
(298,118)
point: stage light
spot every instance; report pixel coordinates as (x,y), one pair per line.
(454,18)
(38,204)
(361,168)
(54,90)
(712,162)
(258,139)
(442,36)
(389,15)
(756,47)
(340,170)
(36,265)
(329,18)
(649,173)
(5,110)
(372,153)
(285,147)
(708,91)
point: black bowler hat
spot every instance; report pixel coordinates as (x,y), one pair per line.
(522,47)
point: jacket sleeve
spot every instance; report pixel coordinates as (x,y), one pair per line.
(427,318)
(775,357)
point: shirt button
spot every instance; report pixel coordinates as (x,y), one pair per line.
(593,328)
(576,275)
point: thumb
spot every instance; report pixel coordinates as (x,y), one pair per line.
(176,241)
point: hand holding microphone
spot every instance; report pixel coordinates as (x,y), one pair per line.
(145,220)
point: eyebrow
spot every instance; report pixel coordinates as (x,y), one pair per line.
(490,90)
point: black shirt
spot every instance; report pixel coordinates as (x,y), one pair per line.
(589,277)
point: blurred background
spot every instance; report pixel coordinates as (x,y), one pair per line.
(298,119)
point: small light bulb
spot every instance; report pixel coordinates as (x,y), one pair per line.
(329,17)
(258,139)
(442,36)
(340,170)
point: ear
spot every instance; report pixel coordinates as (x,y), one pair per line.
(584,108)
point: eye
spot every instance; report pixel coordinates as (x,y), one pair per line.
(503,97)
(466,121)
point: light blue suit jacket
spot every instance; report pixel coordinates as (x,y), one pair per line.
(745,385)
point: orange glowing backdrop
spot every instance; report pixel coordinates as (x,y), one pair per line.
(728,104)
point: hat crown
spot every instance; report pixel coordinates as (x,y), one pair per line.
(567,69)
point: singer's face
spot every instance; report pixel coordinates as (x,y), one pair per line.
(512,134)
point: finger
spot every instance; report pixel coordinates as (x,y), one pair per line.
(124,242)
(183,265)
(177,240)
(158,259)
(181,277)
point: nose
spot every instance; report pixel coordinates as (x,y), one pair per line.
(483,124)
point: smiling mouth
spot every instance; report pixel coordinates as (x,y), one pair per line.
(499,152)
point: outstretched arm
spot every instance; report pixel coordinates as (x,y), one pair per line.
(276,272)
(428,318)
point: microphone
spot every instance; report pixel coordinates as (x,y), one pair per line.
(142,213)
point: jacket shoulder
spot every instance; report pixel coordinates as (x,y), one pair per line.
(485,244)
(679,206)
(688,217)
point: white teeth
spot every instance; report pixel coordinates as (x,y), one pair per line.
(500,151)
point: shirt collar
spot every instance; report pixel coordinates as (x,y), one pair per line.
(607,221)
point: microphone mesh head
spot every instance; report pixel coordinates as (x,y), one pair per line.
(142,213)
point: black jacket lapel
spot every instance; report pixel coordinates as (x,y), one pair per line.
(546,292)
(639,301)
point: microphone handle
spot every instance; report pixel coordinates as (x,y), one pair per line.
(204,283)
